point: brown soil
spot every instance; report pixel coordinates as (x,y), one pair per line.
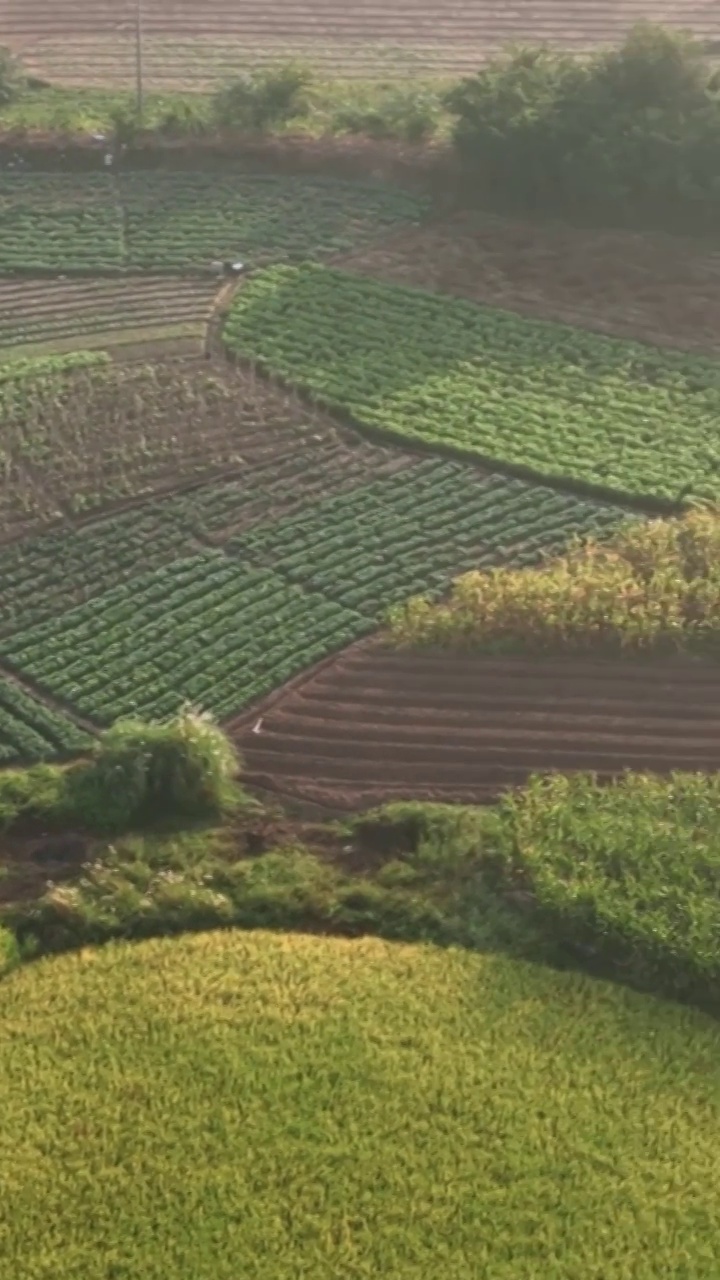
(657,288)
(377,725)
(93,41)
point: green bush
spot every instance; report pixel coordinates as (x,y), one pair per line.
(408,114)
(35,794)
(636,125)
(148,772)
(264,99)
(627,873)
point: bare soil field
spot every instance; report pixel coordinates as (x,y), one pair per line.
(657,288)
(375,725)
(39,317)
(92,41)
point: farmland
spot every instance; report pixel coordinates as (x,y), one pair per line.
(285,1062)
(31,731)
(376,725)
(95,223)
(93,43)
(264,598)
(49,316)
(558,403)
(80,433)
(655,288)
(316,532)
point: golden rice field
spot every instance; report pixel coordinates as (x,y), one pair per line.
(268,1107)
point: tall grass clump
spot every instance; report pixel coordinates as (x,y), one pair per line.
(144,772)
(655,587)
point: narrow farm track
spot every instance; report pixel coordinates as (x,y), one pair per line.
(92,41)
(375,725)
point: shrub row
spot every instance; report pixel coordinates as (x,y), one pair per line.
(619,879)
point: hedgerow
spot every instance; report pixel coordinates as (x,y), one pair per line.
(560,403)
(652,586)
(263,1076)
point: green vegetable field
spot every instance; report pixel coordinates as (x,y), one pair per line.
(105,224)
(124,615)
(269,1106)
(31,731)
(564,405)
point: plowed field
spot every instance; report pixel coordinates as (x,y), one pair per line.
(377,725)
(92,41)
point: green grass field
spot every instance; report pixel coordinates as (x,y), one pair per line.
(259,1105)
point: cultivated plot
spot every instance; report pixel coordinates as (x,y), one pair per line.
(559,403)
(378,725)
(166,315)
(175,222)
(129,615)
(656,288)
(80,433)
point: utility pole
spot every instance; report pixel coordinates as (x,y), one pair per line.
(139,58)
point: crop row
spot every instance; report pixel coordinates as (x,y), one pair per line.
(556,402)
(52,311)
(43,575)
(412,532)
(30,731)
(74,443)
(223,629)
(176,221)
(204,629)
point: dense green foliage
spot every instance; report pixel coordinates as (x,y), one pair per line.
(265,98)
(629,871)
(179,769)
(558,402)
(651,587)
(40,371)
(618,879)
(219,628)
(261,1078)
(9,952)
(177,221)
(634,128)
